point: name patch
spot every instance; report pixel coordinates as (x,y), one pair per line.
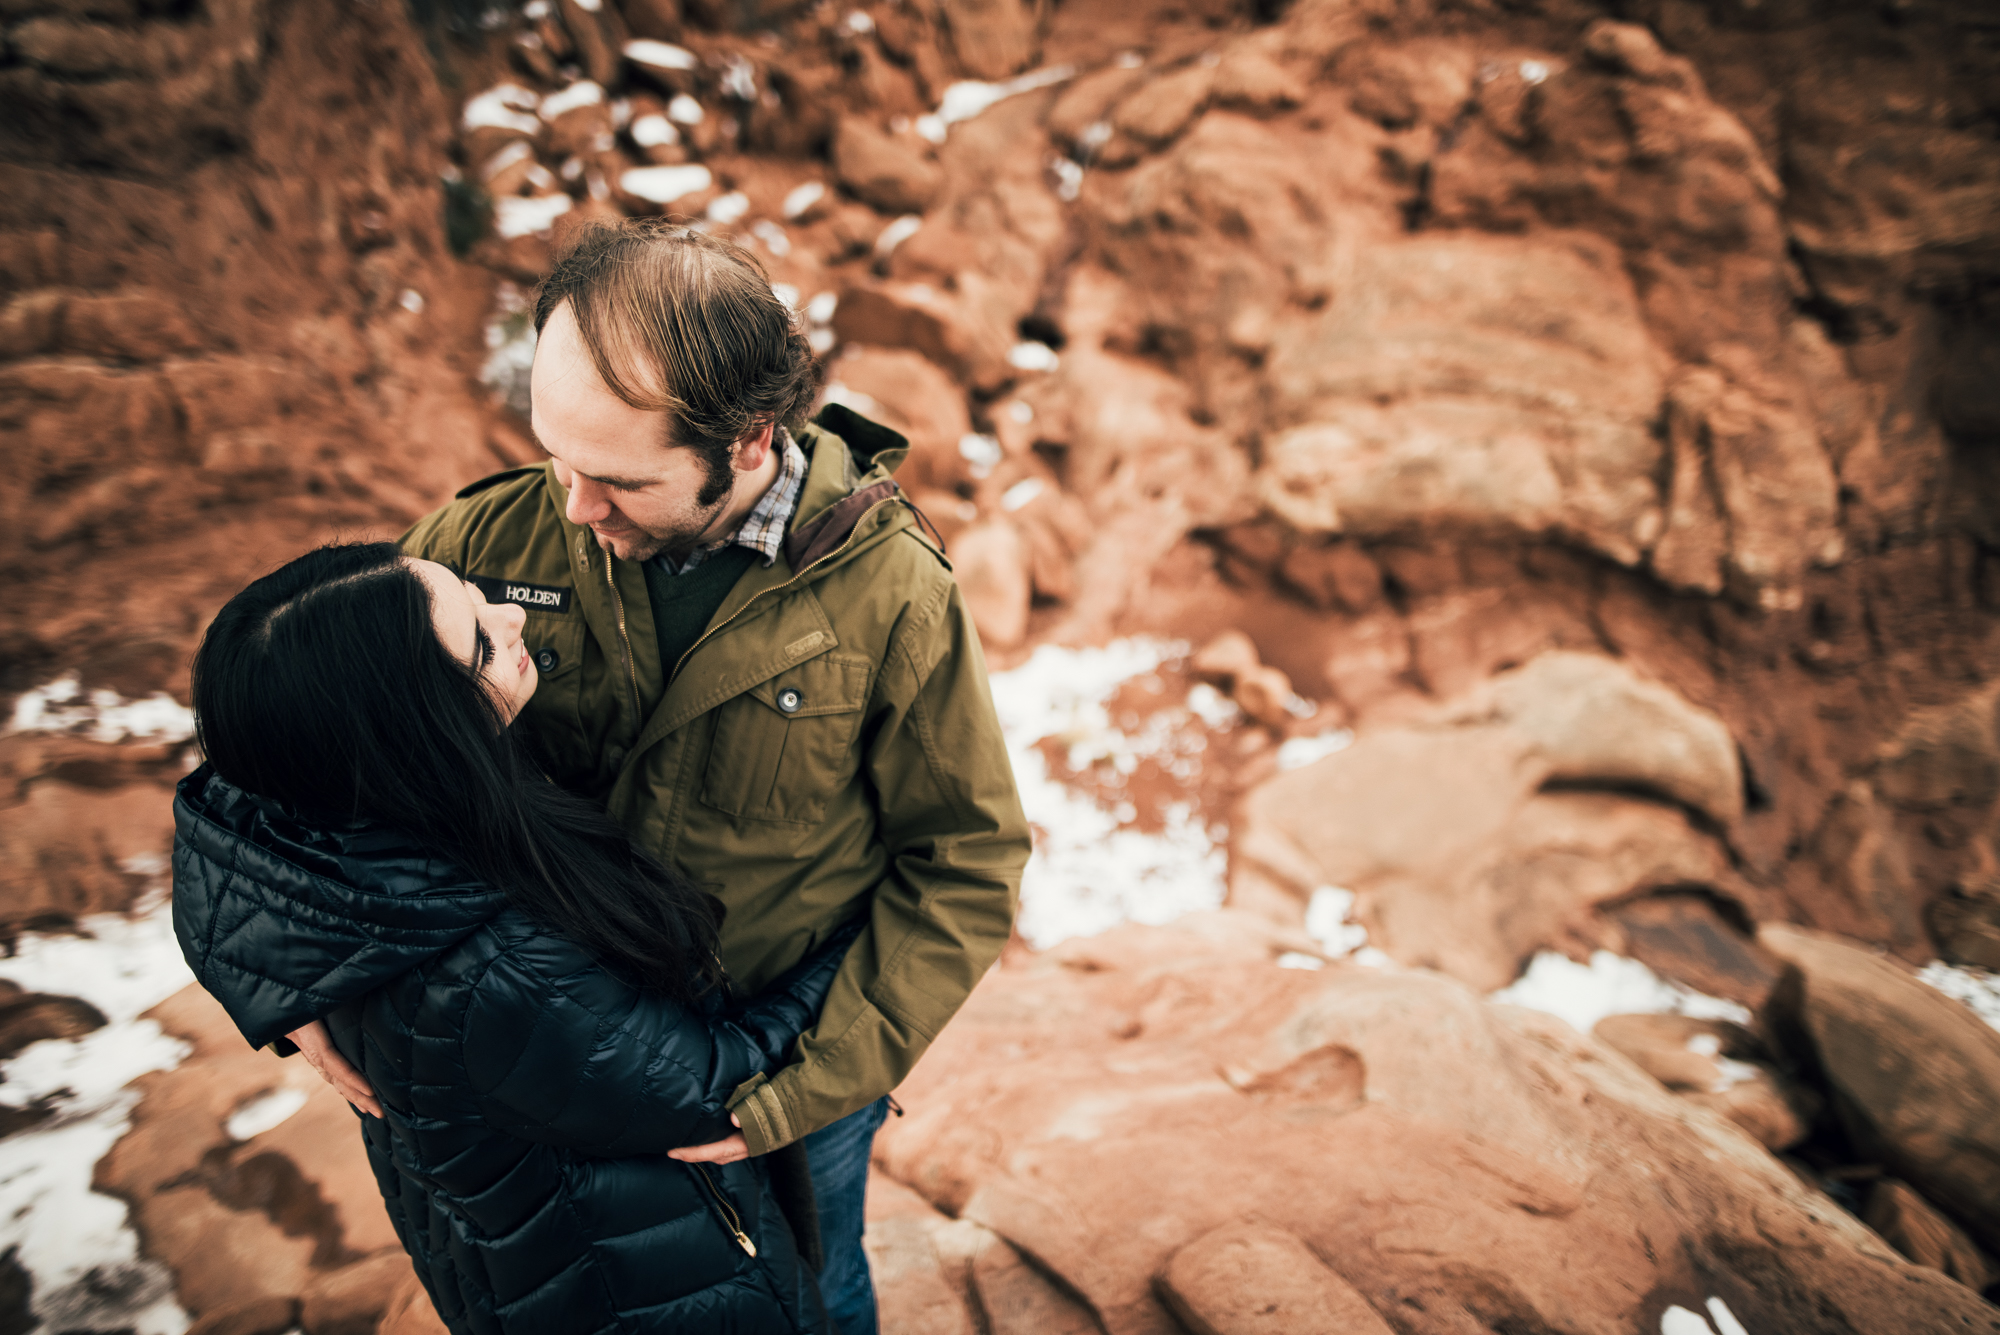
(534,597)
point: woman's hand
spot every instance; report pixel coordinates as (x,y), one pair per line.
(727,1150)
(317,1045)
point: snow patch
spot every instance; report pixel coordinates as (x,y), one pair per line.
(1977,988)
(583,93)
(1298,752)
(507,106)
(1725,1320)
(1583,994)
(1021,493)
(653,130)
(981,451)
(659,55)
(104,716)
(801,198)
(1729,1072)
(896,233)
(684,110)
(527,217)
(729,209)
(1680,1321)
(78,1245)
(967,98)
(256,1116)
(510,349)
(1087,873)
(739,79)
(1033,356)
(664,185)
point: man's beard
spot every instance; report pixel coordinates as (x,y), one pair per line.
(681,539)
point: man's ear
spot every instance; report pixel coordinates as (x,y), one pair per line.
(752,450)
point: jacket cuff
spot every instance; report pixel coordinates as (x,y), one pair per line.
(766,1125)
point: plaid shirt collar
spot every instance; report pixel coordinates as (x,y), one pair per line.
(763,529)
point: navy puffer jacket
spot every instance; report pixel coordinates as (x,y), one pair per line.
(530,1096)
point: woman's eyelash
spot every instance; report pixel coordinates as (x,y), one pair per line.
(486,650)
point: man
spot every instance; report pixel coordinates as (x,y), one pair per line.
(751,653)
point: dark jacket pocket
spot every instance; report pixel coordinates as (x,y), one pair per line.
(785,745)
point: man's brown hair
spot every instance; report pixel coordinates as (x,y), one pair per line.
(681,322)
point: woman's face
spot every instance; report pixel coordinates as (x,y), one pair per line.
(484,636)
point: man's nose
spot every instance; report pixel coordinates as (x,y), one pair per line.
(587,503)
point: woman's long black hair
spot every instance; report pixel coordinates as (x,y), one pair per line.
(324,686)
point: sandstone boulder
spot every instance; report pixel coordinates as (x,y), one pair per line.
(990,561)
(410,1312)
(1264,692)
(1911,1225)
(70,845)
(274,1218)
(1251,1279)
(1967,927)
(354,1299)
(1913,1075)
(1522,1193)
(1427,398)
(1698,941)
(935,1275)
(1594,721)
(34,1017)
(1164,106)
(942,326)
(1720,1066)
(258,1316)
(991,38)
(1766,475)
(909,392)
(884,170)
(1458,857)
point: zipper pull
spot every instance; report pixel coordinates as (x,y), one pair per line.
(728,1216)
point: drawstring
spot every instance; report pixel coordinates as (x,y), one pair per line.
(938,538)
(894,1106)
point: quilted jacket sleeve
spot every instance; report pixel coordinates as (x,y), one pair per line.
(558,1050)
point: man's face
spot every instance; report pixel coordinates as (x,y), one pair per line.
(638,495)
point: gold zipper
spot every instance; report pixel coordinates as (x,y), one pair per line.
(730,1219)
(624,639)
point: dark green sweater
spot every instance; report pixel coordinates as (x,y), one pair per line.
(683,605)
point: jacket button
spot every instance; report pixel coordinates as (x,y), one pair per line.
(789,700)
(546,659)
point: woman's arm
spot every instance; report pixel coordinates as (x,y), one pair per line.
(561,1051)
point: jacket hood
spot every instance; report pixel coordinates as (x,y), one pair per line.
(284,919)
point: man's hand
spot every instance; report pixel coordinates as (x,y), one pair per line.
(727,1150)
(317,1045)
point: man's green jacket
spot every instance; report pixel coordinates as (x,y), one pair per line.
(827,748)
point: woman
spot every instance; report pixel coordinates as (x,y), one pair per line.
(537,1005)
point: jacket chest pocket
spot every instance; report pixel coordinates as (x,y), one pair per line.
(782,748)
(554,714)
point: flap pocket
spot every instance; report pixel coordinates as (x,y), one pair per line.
(554,713)
(785,745)
(555,643)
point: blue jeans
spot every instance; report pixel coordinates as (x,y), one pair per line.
(838,1158)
